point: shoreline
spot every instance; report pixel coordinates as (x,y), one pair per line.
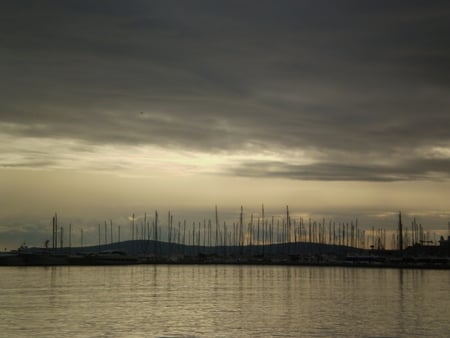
(28,260)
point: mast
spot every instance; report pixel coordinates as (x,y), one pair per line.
(263,230)
(288,228)
(217,229)
(169,230)
(179,235)
(156,231)
(55,231)
(145,226)
(132,228)
(225,238)
(184,237)
(204,233)
(111,230)
(241,235)
(400,232)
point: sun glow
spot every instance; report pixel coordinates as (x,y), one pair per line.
(128,160)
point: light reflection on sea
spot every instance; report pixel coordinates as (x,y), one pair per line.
(223,301)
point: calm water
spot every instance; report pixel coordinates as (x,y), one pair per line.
(223,301)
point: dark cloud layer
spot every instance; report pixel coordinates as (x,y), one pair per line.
(359,80)
(325,171)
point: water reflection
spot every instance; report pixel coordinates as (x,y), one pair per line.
(224,301)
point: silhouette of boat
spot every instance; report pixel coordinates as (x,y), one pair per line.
(10,259)
(41,257)
(107,257)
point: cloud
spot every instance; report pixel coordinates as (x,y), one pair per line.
(427,169)
(346,83)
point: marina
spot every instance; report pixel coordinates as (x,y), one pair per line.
(261,243)
(323,256)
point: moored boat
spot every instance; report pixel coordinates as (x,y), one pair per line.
(108,257)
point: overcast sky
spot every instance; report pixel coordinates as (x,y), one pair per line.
(333,107)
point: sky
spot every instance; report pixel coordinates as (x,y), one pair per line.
(339,109)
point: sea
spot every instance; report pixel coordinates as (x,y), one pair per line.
(223,301)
